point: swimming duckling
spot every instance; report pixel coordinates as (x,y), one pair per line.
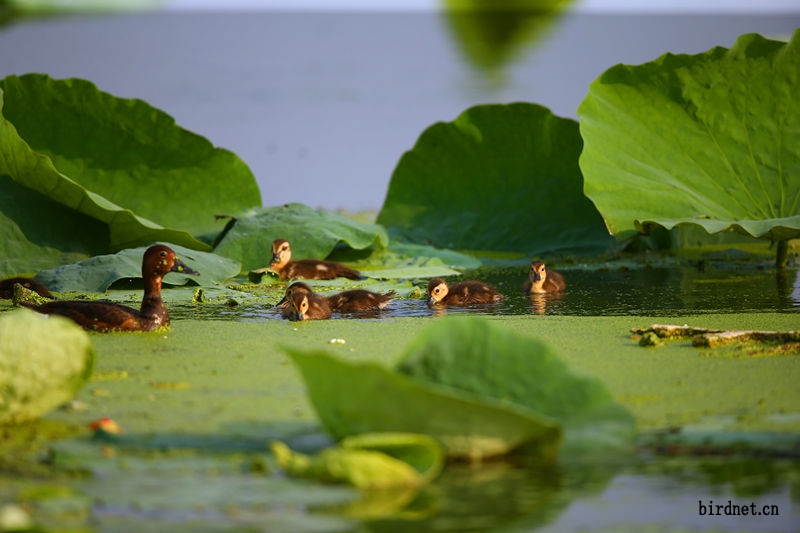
(307,306)
(287,269)
(104,317)
(357,300)
(462,293)
(541,280)
(349,301)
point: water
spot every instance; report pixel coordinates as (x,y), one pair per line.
(656,291)
(322,105)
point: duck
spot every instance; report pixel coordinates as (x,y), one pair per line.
(541,280)
(360,300)
(349,301)
(105,317)
(463,293)
(7,287)
(307,306)
(287,269)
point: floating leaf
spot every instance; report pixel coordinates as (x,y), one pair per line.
(44,361)
(355,398)
(312,233)
(473,355)
(98,273)
(369,461)
(499,177)
(711,140)
(120,162)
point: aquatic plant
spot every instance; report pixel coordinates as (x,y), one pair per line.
(499,177)
(479,389)
(44,361)
(710,140)
(85,172)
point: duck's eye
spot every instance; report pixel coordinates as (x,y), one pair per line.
(163,253)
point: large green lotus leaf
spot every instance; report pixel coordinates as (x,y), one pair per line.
(473,355)
(499,177)
(44,361)
(98,273)
(118,160)
(711,140)
(40,233)
(352,398)
(313,233)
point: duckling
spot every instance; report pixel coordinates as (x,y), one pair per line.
(462,293)
(7,287)
(358,300)
(541,280)
(104,317)
(308,306)
(349,301)
(306,268)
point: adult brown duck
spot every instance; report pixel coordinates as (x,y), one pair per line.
(287,269)
(105,317)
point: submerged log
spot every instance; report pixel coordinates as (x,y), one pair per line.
(666,331)
(709,338)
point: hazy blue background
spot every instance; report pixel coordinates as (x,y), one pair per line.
(322,103)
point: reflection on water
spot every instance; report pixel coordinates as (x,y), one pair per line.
(646,292)
(584,495)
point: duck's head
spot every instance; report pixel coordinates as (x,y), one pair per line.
(299,303)
(537,273)
(160,259)
(437,290)
(297,286)
(281,252)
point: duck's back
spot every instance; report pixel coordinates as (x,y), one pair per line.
(317,269)
(101,316)
(471,292)
(355,300)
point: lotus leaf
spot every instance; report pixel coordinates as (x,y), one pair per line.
(98,273)
(312,233)
(473,355)
(711,140)
(499,177)
(491,34)
(44,361)
(355,398)
(118,161)
(369,461)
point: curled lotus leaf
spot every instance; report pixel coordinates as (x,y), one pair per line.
(44,361)
(710,140)
(368,461)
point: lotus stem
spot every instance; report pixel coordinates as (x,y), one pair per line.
(782,254)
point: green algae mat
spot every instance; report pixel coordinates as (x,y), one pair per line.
(200,405)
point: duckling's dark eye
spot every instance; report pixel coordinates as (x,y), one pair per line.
(163,253)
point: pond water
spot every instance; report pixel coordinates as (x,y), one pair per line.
(654,291)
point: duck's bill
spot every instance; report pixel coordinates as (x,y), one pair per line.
(179,266)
